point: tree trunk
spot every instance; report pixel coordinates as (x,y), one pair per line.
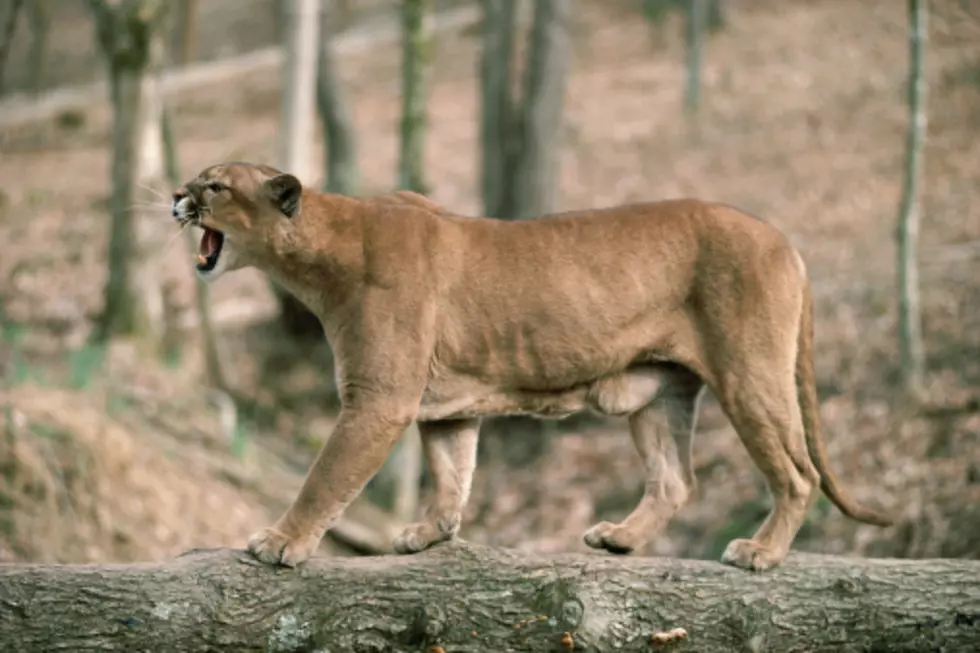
(151,231)
(299,88)
(909,309)
(716,15)
(497,106)
(656,11)
(184,40)
(338,129)
(415,57)
(544,93)
(296,128)
(40,20)
(124,33)
(121,314)
(693,38)
(8,36)
(461,597)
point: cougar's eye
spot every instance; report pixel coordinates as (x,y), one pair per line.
(215,187)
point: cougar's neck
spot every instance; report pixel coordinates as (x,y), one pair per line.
(319,257)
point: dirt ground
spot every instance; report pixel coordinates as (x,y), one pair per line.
(803,123)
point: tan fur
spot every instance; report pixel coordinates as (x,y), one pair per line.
(444,319)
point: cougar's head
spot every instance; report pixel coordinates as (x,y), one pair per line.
(242,209)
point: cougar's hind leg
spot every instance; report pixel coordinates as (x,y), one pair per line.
(666,454)
(762,405)
(450,452)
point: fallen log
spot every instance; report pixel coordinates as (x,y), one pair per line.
(462,597)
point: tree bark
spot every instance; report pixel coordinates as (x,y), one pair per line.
(909,308)
(497,106)
(184,41)
(159,339)
(461,597)
(40,19)
(121,311)
(544,94)
(696,12)
(415,58)
(8,36)
(296,127)
(656,11)
(299,88)
(335,116)
(716,16)
(124,32)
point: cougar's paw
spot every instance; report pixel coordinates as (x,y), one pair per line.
(751,555)
(422,535)
(274,547)
(417,537)
(611,537)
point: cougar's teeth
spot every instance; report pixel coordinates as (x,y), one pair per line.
(201,258)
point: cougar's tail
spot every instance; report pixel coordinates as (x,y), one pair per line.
(807,391)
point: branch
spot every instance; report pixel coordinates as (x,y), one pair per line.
(462,597)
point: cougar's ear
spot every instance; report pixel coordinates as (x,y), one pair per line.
(284,191)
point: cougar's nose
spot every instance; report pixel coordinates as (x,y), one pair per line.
(179,194)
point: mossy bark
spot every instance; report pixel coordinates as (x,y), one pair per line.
(463,597)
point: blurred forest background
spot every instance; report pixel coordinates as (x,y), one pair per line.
(144,414)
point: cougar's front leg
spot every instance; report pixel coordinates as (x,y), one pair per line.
(383,366)
(357,448)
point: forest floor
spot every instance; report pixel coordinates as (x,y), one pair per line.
(124,456)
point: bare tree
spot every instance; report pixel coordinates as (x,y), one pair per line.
(497,128)
(124,30)
(299,88)
(909,309)
(9,28)
(415,55)
(521,144)
(152,187)
(339,153)
(338,131)
(544,96)
(184,41)
(39,13)
(716,15)
(693,37)
(302,22)
(656,11)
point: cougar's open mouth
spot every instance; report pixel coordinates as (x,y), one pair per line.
(210,249)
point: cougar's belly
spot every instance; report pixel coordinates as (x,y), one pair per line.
(469,398)
(619,393)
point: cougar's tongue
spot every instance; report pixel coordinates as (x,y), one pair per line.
(209,242)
